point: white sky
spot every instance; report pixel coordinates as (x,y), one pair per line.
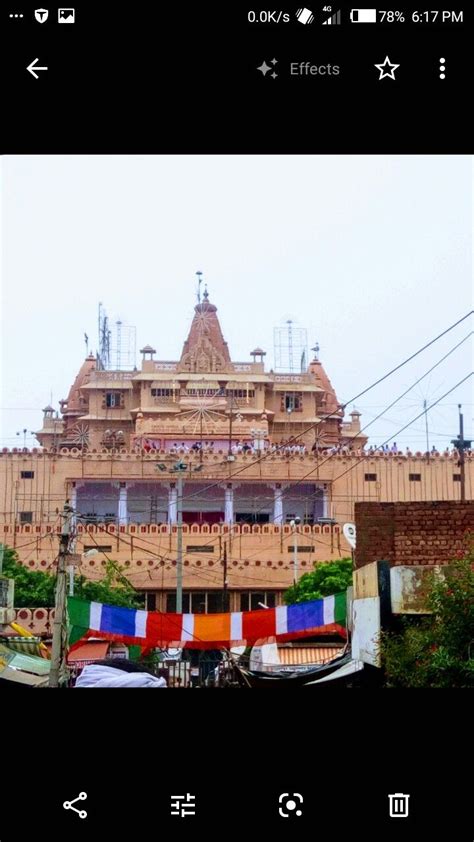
(372,254)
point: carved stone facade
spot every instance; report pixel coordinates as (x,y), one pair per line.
(204,397)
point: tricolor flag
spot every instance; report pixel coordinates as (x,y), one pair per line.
(152,629)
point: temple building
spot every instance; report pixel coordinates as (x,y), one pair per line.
(262,468)
(204,398)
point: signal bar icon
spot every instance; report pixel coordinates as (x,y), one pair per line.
(334,19)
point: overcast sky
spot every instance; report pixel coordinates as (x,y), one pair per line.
(373,255)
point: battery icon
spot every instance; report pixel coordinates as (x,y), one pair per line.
(364,15)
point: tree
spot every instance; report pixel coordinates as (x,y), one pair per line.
(33,588)
(327,578)
(36,589)
(436,650)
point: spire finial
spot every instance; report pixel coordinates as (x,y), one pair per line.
(199,277)
(316,351)
(206,294)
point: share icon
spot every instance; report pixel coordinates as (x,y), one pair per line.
(68,805)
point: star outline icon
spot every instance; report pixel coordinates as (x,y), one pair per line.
(386,73)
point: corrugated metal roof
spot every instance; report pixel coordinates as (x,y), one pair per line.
(25,663)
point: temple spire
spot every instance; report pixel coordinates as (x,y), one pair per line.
(205,349)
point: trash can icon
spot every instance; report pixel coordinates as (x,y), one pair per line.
(398,805)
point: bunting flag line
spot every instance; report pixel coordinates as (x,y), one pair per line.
(152,629)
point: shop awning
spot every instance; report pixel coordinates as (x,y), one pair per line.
(94,650)
(16,661)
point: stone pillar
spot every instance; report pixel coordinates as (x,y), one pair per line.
(278,503)
(122,504)
(229,504)
(172,503)
(326,501)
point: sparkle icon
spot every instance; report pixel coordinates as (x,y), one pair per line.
(387,69)
(265,68)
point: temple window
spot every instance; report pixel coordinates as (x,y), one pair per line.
(150,601)
(292,402)
(101,548)
(254,600)
(162,393)
(26,517)
(27,474)
(370,477)
(199,548)
(196,602)
(414,477)
(113,400)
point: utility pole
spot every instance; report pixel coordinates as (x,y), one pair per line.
(461,454)
(60,603)
(461,444)
(224,589)
(179,556)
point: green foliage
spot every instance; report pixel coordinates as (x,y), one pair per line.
(113,589)
(35,589)
(436,650)
(327,578)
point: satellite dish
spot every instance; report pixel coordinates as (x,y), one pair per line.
(349,532)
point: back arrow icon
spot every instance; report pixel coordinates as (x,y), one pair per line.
(32,67)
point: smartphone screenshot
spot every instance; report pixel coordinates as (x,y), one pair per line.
(236,421)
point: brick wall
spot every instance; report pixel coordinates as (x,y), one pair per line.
(413,533)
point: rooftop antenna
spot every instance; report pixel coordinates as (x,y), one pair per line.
(290,347)
(104,338)
(118,325)
(122,346)
(290,343)
(199,277)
